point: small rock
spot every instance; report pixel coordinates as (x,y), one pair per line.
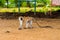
(7,31)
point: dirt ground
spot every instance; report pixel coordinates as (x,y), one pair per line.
(43,29)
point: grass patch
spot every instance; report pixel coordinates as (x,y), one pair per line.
(26,9)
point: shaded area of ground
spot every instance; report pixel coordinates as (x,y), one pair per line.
(49,14)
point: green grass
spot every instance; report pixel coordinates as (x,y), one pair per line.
(26,9)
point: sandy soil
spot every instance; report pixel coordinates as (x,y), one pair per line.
(43,29)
